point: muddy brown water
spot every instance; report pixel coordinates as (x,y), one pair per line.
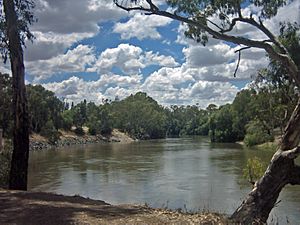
(188,173)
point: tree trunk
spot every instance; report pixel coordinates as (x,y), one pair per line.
(281,171)
(19,163)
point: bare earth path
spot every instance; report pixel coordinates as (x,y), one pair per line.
(37,208)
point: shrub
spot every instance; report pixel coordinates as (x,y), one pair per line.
(254,169)
(256,134)
(50,132)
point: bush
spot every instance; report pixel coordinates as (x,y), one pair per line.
(67,122)
(94,128)
(254,170)
(50,132)
(256,134)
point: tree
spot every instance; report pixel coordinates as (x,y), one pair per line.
(6,104)
(43,106)
(221,125)
(282,169)
(139,115)
(13,32)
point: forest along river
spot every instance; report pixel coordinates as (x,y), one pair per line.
(187,173)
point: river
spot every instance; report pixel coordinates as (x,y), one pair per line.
(188,173)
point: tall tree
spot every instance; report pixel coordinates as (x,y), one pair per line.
(197,14)
(14,31)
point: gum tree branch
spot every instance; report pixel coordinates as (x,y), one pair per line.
(282,56)
(239,59)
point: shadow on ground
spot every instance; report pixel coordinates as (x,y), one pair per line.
(45,208)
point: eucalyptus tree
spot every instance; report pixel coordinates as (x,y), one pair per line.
(198,14)
(15,18)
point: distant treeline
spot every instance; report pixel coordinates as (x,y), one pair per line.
(252,117)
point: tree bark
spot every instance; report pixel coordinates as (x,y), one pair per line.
(281,171)
(19,163)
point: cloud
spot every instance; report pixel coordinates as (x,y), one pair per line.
(141,27)
(49,44)
(129,59)
(167,87)
(182,85)
(197,56)
(75,60)
(64,23)
(74,16)
(107,86)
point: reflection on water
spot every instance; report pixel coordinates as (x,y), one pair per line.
(187,173)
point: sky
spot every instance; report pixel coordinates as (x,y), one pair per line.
(90,49)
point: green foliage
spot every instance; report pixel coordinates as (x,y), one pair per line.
(257,134)
(106,124)
(242,112)
(189,120)
(221,125)
(140,116)
(254,169)
(5,158)
(79,114)
(6,122)
(67,119)
(43,106)
(50,132)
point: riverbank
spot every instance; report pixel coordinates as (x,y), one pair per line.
(38,142)
(26,208)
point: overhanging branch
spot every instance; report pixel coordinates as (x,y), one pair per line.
(282,56)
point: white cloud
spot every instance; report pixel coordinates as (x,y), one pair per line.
(141,27)
(197,56)
(49,44)
(63,23)
(75,60)
(182,85)
(74,16)
(129,59)
(213,91)
(151,58)
(107,86)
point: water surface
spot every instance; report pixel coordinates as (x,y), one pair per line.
(187,173)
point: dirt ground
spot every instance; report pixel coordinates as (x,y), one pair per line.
(37,208)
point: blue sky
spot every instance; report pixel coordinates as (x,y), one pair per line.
(90,49)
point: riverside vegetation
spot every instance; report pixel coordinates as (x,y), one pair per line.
(223,124)
(252,117)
